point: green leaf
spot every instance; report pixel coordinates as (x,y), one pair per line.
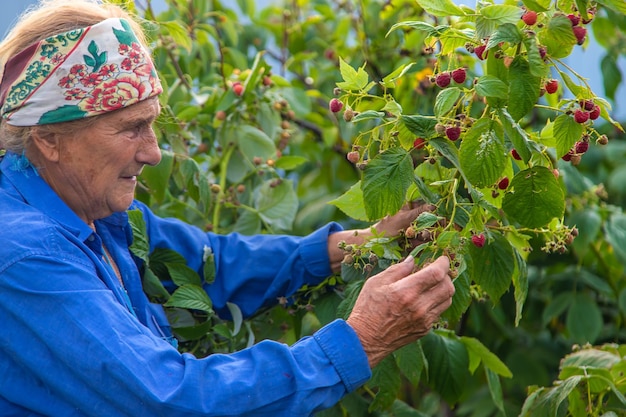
(277,204)
(181,274)
(290,162)
(592,357)
(507,32)
(479,353)
(491,17)
(445,101)
(524,88)
(237,317)
(420,26)
(566,132)
(390,80)
(386,377)
(490,86)
(421,126)
(352,79)
(351,203)
(495,389)
(493,265)
(253,142)
(368,115)
(537,5)
(617,5)
(520,283)
(442,8)
(538,68)
(518,136)
(410,360)
(427,219)
(558,37)
(615,231)
(589,224)
(611,75)
(447,365)
(191,297)
(208,268)
(141,245)
(386,179)
(584,320)
(535,198)
(157,177)
(482,153)
(180,35)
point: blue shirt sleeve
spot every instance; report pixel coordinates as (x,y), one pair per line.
(251,271)
(69,348)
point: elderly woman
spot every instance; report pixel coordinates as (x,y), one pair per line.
(79,94)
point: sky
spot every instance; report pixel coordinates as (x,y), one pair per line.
(579,60)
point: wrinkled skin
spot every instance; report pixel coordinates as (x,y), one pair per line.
(399,305)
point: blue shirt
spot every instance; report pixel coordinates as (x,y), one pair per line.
(74,342)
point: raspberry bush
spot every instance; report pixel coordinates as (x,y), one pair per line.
(280,119)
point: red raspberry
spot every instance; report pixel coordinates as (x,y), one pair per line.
(453,132)
(574,19)
(353,156)
(595,112)
(581,116)
(459,75)
(552,86)
(586,104)
(580,33)
(335,105)
(443,79)
(480,52)
(503,184)
(238,88)
(419,143)
(581,146)
(515,155)
(568,156)
(478,240)
(530,17)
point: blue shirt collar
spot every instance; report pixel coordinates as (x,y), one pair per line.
(37,193)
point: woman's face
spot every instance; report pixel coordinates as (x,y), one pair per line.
(97,168)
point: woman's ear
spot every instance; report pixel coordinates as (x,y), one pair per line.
(46,144)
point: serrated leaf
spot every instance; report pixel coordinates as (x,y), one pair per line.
(493,265)
(426,219)
(351,203)
(524,88)
(386,179)
(421,126)
(190,297)
(478,353)
(175,29)
(208,268)
(495,389)
(507,32)
(537,5)
(442,8)
(415,24)
(448,364)
(181,274)
(490,86)
(520,284)
(566,132)
(538,68)
(558,37)
(535,198)
(493,16)
(445,101)
(352,79)
(141,245)
(482,153)
(577,90)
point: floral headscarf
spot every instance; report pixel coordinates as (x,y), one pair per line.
(77,74)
